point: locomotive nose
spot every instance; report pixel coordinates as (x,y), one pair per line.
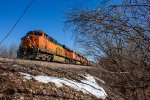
(26,41)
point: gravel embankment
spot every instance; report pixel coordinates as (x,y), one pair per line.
(14,86)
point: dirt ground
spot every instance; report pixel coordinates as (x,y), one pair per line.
(13,86)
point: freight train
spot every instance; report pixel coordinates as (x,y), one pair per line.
(37,45)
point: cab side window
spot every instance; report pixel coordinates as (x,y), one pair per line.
(45,36)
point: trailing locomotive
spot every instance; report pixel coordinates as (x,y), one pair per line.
(37,45)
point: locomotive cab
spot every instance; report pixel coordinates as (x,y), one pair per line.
(30,43)
(32,39)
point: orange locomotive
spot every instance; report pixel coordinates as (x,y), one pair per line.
(39,46)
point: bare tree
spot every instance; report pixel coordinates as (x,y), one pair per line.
(3,51)
(118,36)
(12,51)
(8,52)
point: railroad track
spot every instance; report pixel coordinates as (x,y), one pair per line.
(45,64)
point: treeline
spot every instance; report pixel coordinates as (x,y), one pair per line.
(118,36)
(8,51)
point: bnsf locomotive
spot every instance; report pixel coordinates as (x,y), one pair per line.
(37,45)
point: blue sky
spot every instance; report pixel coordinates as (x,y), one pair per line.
(46,15)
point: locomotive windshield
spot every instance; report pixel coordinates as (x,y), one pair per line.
(29,33)
(35,33)
(38,34)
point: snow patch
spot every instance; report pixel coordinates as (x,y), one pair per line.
(99,80)
(88,86)
(15,65)
(27,76)
(47,79)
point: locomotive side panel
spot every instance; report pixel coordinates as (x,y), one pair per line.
(49,46)
(60,51)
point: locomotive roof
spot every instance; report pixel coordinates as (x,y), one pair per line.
(64,46)
(52,39)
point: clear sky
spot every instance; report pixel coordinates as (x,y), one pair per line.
(46,15)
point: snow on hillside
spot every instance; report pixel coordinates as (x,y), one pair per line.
(88,86)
